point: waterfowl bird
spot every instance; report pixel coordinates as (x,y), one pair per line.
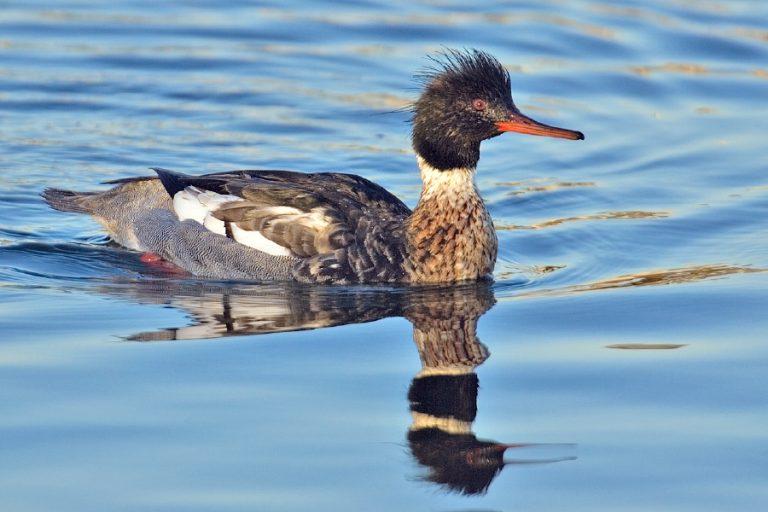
(333,227)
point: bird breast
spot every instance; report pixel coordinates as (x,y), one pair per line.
(450,233)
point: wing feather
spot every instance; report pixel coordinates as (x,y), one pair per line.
(340,227)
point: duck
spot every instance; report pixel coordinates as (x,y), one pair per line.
(331,227)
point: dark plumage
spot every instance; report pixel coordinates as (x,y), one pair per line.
(447,126)
(333,227)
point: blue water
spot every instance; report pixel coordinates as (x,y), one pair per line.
(625,330)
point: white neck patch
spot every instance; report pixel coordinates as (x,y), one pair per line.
(457,181)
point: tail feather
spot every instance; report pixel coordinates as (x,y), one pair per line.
(172,181)
(67,200)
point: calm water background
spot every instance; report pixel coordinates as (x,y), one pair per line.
(651,233)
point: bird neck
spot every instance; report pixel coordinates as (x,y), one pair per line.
(445,186)
(442,148)
(450,233)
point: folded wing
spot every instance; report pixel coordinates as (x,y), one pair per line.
(339,227)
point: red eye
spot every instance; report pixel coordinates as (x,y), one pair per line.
(479,104)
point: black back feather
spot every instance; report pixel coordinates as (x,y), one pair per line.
(172,181)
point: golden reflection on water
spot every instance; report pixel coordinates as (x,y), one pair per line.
(646,346)
(650,278)
(750,33)
(636,13)
(633,214)
(691,68)
(683,68)
(523,188)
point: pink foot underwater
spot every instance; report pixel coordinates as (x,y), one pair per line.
(155,262)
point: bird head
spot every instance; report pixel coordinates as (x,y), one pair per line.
(467,99)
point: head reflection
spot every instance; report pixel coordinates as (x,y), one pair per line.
(441,437)
(442,395)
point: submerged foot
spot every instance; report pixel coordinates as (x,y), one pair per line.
(156,262)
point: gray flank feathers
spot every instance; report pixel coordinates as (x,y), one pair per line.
(203,253)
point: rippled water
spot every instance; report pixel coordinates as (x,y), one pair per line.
(626,329)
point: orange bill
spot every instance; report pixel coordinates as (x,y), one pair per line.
(523,124)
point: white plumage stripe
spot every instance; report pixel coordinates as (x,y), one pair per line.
(213,224)
(187,206)
(199,205)
(258,241)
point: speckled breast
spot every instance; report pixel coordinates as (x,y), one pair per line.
(451,239)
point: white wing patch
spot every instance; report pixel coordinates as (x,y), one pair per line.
(257,241)
(187,205)
(199,205)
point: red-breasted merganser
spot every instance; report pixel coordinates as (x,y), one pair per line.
(333,227)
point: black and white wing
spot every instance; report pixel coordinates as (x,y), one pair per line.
(340,228)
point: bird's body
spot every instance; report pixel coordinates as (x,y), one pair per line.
(332,227)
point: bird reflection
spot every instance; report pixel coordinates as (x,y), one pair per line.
(442,395)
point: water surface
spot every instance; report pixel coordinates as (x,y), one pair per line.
(624,335)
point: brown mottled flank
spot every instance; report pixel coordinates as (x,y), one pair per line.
(450,235)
